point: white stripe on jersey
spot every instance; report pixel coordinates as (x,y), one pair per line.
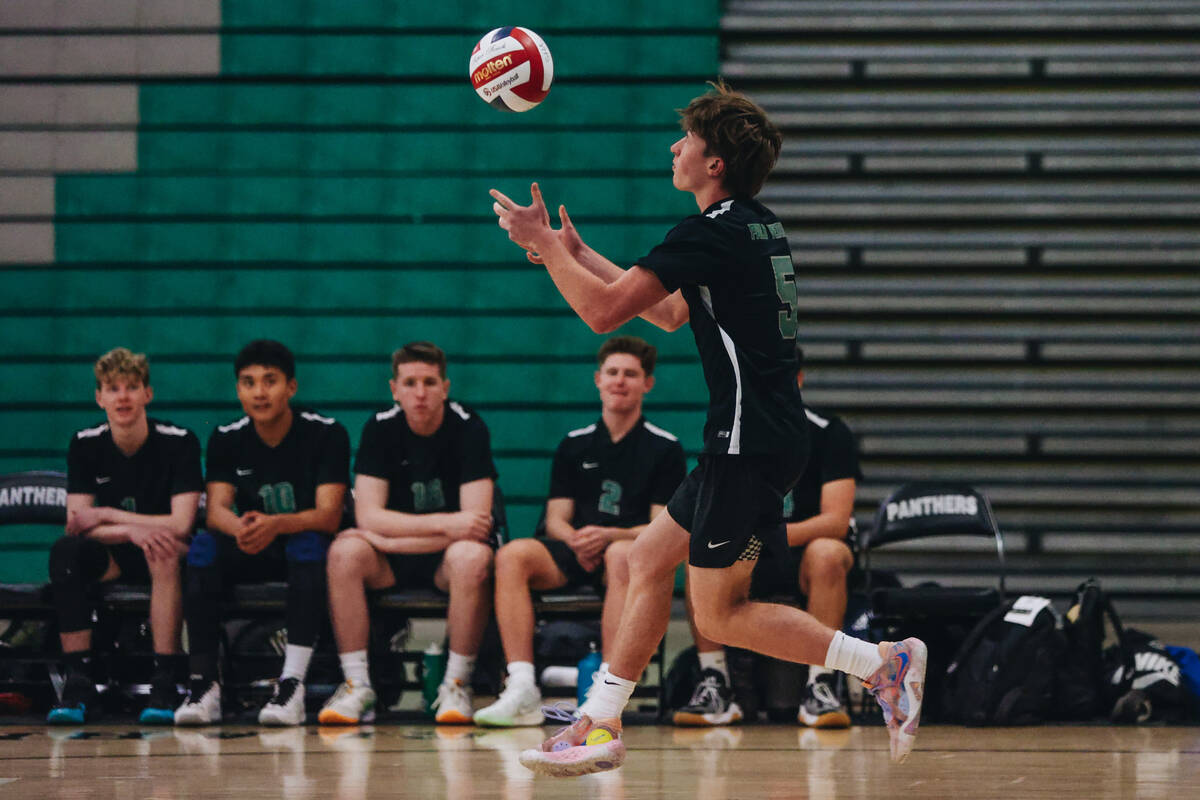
(391,412)
(313,417)
(234,426)
(819,421)
(582,431)
(718,212)
(659,431)
(170,430)
(458,409)
(88,433)
(735,433)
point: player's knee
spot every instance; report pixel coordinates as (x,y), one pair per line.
(826,561)
(710,625)
(349,557)
(307,547)
(469,563)
(73,558)
(616,561)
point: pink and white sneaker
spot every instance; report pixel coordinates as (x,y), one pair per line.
(581,748)
(899,688)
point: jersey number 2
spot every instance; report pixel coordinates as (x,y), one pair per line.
(785,288)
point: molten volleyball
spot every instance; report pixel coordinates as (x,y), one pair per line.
(511,69)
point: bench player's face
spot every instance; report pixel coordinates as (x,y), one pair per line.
(420,390)
(264,392)
(622,383)
(124,399)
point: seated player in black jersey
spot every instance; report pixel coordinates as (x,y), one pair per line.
(818,515)
(608,481)
(728,272)
(423,488)
(277,481)
(133,485)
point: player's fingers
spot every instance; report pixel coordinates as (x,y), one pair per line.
(564,217)
(503,199)
(534,257)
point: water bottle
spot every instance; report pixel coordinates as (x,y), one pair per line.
(587,672)
(433,669)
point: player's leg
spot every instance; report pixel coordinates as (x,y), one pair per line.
(304,553)
(593,742)
(824,567)
(353,567)
(522,566)
(712,700)
(894,672)
(466,574)
(209,557)
(165,576)
(76,564)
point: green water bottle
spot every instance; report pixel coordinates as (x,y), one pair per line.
(433,669)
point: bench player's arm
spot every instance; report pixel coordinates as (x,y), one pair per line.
(837,504)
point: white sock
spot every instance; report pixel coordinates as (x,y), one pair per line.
(714,660)
(295,662)
(608,698)
(815,672)
(521,671)
(354,667)
(459,667)
(853,656)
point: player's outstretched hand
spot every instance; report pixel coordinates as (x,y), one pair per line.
(526,225)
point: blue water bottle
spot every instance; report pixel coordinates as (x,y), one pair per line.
(588,666)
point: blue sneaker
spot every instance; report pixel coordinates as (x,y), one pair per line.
(78,697)
(160,709)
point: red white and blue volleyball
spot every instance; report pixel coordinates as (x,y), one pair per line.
(511,68)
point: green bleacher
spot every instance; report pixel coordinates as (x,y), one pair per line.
(329,188)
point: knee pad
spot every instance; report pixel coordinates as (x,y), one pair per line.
(76,558)
(203,550)
(307,547)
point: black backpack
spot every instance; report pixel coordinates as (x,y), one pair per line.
(1082,673)
(1003,673)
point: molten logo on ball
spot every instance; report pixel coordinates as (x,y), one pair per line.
(511,69)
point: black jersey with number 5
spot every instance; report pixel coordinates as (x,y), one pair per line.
(282,479)
(734,266)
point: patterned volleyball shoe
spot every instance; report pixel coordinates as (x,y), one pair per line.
(899,688)
(581,748)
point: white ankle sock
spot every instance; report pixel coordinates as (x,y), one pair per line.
(608,698)
(714,660)
(853,656)
(459,667)
(295,662)
(521,671)
(354,667)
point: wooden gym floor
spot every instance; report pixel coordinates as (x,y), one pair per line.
(779,762)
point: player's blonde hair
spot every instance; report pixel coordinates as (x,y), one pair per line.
(736,130)
(121,362)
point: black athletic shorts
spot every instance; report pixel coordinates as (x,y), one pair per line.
(414,571)
(565,560)
(733,506)
(131,560)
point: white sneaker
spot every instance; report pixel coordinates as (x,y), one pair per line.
(202,706)
(286,706)
(519,705)
(453,703)
(350,705)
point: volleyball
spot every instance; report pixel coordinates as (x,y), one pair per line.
(511,69)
